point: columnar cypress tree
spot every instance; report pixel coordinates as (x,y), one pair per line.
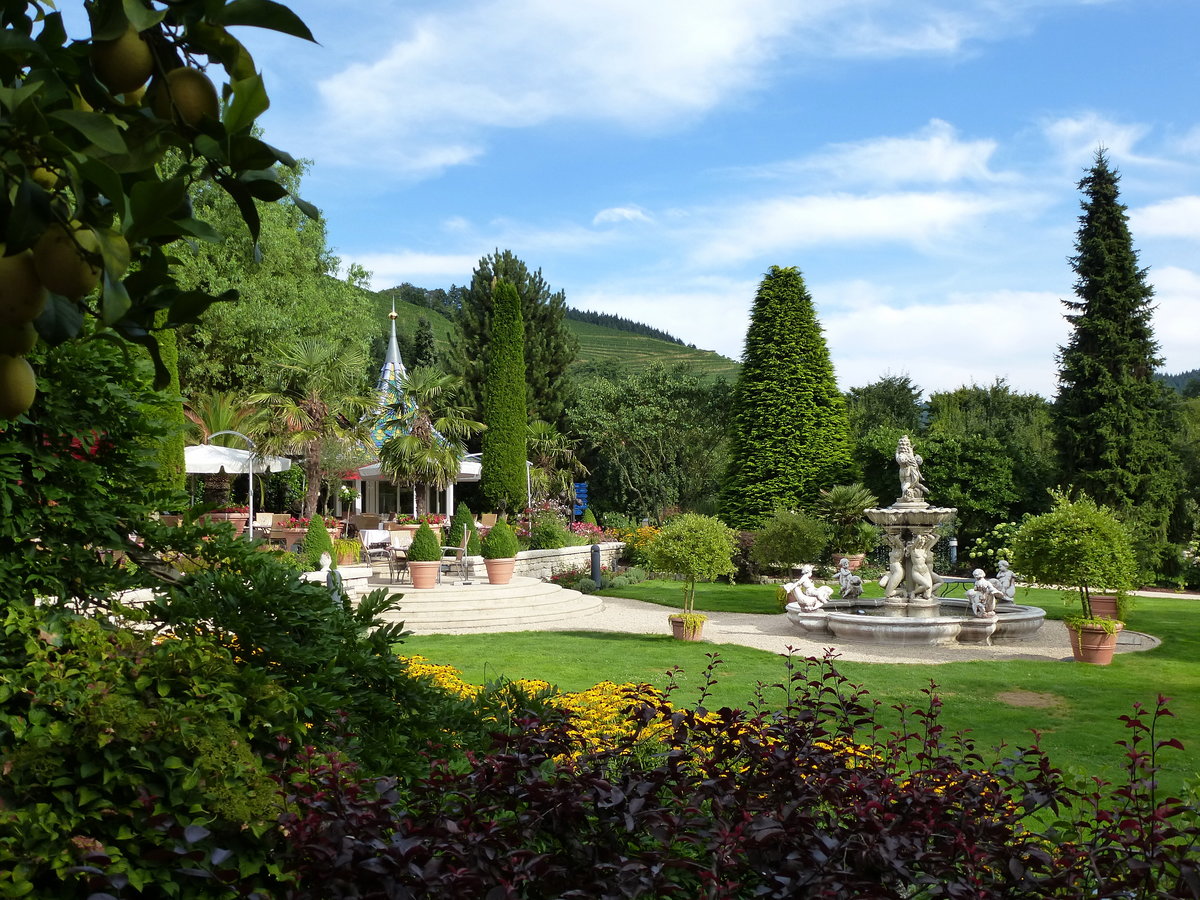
(502,480)
(424,349)
(169,448)
(790,435)
(1112,419)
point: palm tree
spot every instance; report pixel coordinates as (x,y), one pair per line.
(210,414)
(554,464)
(431,428)
(318,395)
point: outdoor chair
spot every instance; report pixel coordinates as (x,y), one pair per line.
(376,545)
(456,556)
(398,553)
(487,520)
(365,521)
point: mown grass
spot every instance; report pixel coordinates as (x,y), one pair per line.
(1075,707)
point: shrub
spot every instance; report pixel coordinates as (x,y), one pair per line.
(745,568)
(619,581)
(689,803)
(635,575)
(842,507)
(589,517)
(637,543)
(789,537)
(461,519)
(424,546)
(586,586)
(316,542)
(548,533)
(500,542)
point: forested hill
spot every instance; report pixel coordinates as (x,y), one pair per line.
(633,347)
(620,323)
(1181,381)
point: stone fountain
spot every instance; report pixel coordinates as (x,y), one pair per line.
(911,612)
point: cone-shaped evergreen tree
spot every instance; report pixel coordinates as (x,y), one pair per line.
(1112,418)
(790,435)
(502,479)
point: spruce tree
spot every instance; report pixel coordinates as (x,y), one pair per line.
(502,479)
(1112,418)
(549,344)
(790,435)
(424,348)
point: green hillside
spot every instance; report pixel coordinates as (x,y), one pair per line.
(597,344)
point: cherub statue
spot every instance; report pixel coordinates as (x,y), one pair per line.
(912,488)
(893,578)
(1005,582)
(805,593)
(984,595)
(920,554)
(852,586)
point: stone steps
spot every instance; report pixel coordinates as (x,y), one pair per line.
(457,606)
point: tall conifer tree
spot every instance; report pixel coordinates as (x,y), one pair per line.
(549,347)
(790,435)
(502,480)
(1112,418)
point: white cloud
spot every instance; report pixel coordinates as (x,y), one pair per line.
(1076,139)
(932,155)
(944,342)
(390,269)
(780,224)
(1177,298)
(1177,217)
(620,214)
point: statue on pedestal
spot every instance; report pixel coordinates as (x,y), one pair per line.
(805,593)
(912,488)
(983,596)
(1005,582)
(851,584)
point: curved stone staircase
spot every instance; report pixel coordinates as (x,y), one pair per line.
(479,606)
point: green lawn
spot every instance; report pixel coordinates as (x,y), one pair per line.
(1076,706)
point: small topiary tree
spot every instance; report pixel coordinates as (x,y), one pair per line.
(697,547)
(424,546)
(500,542)
(1078,543)
(316,542)
(461,519)
(589,517)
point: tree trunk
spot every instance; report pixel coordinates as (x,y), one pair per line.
(312,473)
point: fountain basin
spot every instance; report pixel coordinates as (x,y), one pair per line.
(951,622)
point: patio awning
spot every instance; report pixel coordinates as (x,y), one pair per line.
(468,469)
(205,459)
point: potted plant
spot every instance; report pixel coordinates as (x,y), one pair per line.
(347,551)
(424,557)
(237,516)
(696,547)
(499,551)
(1081,544)
(842,507)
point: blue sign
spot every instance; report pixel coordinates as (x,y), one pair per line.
(581,496)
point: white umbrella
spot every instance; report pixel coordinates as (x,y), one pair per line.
(209,459)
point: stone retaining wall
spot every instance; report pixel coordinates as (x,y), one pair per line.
(546,563)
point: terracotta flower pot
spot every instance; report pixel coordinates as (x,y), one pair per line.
(1104,606)
(1093,644)
(500,571)
(856,559)
(681,632)
(238,520)
(424,574)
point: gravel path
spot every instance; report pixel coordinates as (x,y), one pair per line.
(775,634)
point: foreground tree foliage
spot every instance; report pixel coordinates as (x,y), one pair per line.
(1113,420)
(790,436)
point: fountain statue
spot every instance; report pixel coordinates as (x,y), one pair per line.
(910,611)
(910,530)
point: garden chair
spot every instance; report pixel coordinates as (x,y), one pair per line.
(398,553)
(376,545)
(456,556)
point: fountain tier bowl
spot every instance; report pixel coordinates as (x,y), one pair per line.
(952,622)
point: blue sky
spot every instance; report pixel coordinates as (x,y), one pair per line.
(918,160)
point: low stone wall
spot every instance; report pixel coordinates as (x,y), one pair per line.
(354,579)
(543,564)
